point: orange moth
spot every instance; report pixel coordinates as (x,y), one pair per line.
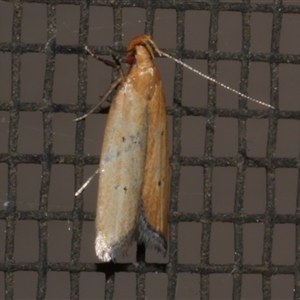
(134,176)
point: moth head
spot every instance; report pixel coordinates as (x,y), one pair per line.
(141,40)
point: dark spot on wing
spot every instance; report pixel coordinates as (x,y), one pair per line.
(159,183)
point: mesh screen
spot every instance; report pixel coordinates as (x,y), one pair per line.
(234,216)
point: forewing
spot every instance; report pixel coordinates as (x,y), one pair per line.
(121,173)
(153,222)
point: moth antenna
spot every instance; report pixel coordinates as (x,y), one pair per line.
(161,53)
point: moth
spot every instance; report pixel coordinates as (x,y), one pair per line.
(134,175)
(134,170)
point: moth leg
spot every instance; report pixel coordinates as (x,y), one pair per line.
(116,65)
(86,183)
(103,99)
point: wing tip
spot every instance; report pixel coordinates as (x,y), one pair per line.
(108,251)
(151,237)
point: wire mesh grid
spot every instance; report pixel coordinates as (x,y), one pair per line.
(242,161)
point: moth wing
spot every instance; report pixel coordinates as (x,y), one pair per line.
(121,173)
(153,222)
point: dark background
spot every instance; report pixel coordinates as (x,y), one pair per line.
(256,256)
